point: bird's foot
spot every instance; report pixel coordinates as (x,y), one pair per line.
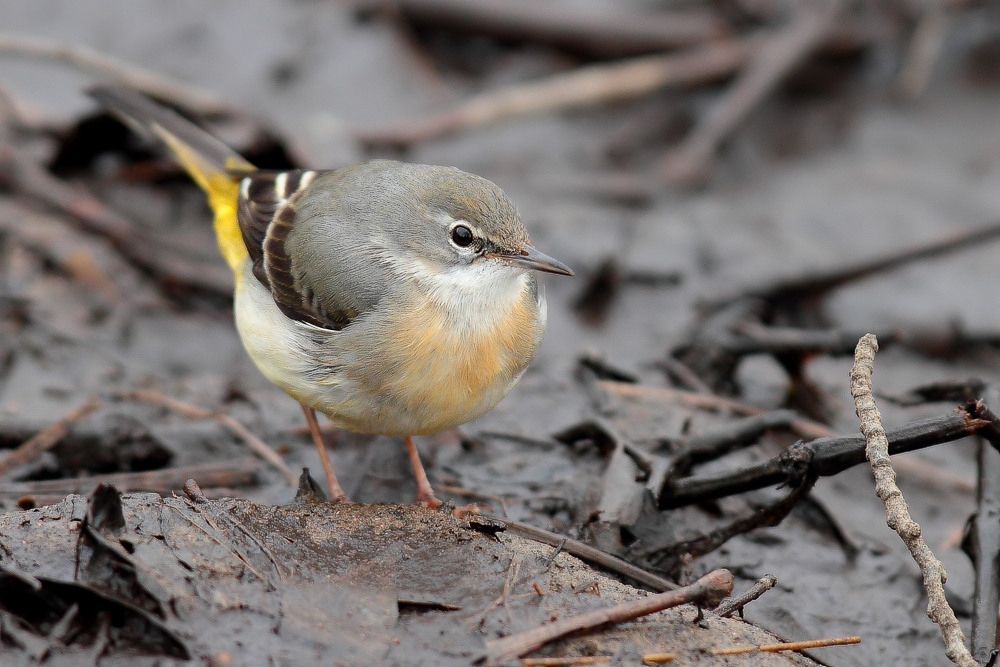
(466,511)
(340,498)
(427,498)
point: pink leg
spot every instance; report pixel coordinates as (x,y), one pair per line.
(425,494)
(337,494)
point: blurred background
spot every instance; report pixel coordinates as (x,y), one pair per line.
(720,174)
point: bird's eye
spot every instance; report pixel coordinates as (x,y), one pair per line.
(461,236)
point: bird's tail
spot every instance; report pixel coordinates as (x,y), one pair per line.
(210,163)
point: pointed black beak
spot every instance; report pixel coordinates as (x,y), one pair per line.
(530,258)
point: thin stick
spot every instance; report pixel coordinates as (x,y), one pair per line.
(589,554)
(922,52)
(608,34)
(567,661)
(683,374)
(586,86)
(931,476)
(689,163)
(735,604)
(87,60)
(144,251)
(241,472)
(256,445)
(789,646)
(47,438)
(983,543)
(462,492)
(897,513)
(810,284)
(806,428)
(707,590)
(823,456)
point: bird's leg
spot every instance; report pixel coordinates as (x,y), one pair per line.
(425,494)
(337,494)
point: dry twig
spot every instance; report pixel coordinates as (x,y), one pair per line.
(823,456)
(794,289)
(87,60)
(241,472)
(258,446)
(982,539)
(567,661)
(897,514)
(803,427)
(735,604)
(922,53)
(689,163)
(48,438)
(671,554)
(707,590)
(142,250)
(658,658)
(586,86)
(609,34)
(788,646)
(573,661)
(589,554)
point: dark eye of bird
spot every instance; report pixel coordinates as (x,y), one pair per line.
(461,235)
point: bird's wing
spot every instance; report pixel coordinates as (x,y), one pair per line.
(266,212)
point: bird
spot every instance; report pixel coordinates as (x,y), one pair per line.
(395,299)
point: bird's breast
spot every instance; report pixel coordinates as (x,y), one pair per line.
(446,365)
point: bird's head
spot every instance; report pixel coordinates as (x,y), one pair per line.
(467,221)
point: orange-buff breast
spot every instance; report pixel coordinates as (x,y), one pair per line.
(451,373)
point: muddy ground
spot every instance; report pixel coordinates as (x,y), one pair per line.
(830,171)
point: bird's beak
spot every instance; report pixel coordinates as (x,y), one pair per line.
(529,258)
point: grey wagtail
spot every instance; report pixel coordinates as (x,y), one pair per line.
(397,299)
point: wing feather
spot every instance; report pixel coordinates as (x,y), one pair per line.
(266,214)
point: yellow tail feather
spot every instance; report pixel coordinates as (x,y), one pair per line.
(222,192)
(207,160)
